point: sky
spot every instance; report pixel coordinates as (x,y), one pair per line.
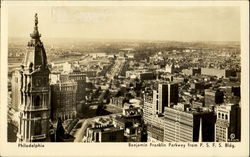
(215,23)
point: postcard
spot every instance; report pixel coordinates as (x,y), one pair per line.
(124,78)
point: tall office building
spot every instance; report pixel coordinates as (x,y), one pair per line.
(63,100)
(147,110)
(155,129)
(80,79)
(35,92)
(227,127)
(166,95)
(188,125)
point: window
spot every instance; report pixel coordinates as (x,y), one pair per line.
(157,105)
(222,116)
(219,115)
(38,127)
(37,101)
(226,116)
(21,97)
(29,86)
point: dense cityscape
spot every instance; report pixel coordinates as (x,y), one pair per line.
(123,91)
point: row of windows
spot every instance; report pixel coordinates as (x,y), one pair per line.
(179,133)
(220,132)
(185,130)
(183,123)
(37,101)
(169,136)
(174,114)
(221,138)
(222,116)
(220,129)
(221,135)
(177,139)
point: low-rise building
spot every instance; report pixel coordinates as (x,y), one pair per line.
(131,122)
(213,98)
(110,133)
(216,72)
(192,71)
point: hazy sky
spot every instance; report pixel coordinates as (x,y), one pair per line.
(154,23)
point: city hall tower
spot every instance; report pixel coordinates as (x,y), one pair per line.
(34,92)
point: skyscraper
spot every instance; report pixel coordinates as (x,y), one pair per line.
(166,95)
(34,91)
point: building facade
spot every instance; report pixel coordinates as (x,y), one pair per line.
(80,78)
(68,93)
(228,128)
(184,126)
(155,129)
(63,100)
(147,110)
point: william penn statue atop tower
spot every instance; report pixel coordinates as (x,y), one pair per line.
(36,19)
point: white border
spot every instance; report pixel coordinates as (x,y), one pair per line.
(122,149)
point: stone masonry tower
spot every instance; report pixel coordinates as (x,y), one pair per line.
(35,92)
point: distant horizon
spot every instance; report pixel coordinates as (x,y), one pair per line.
(154,23)
(117,40)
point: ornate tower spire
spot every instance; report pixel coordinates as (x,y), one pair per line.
(35,34)
(35,56)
